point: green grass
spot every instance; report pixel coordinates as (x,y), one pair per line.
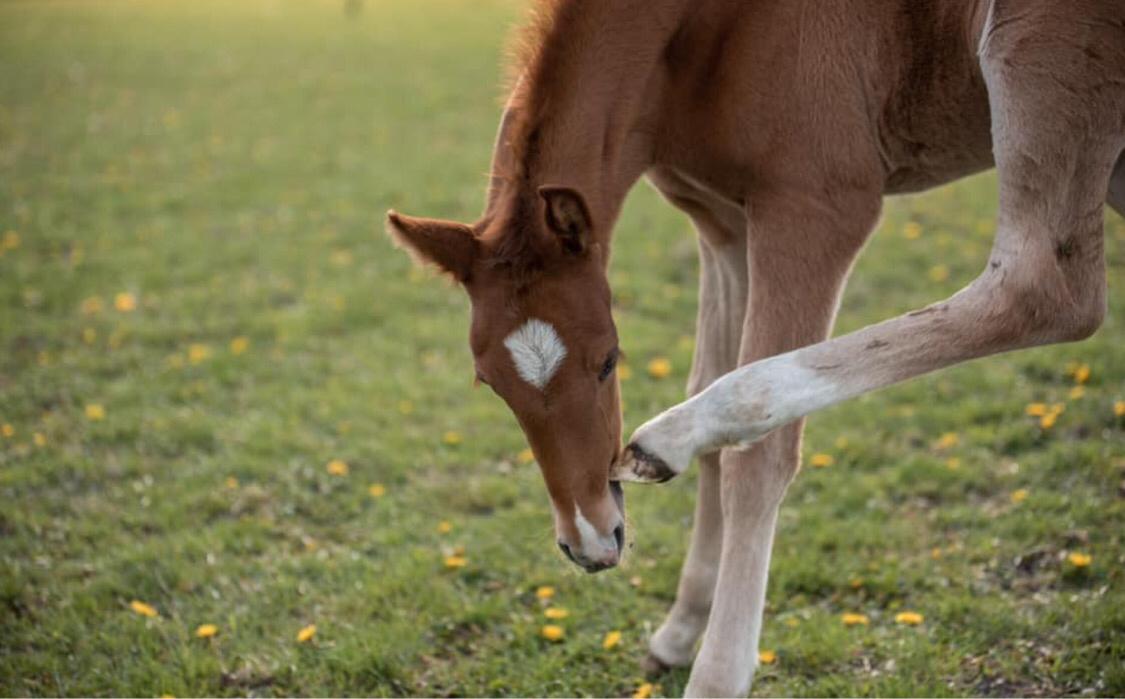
(228,164)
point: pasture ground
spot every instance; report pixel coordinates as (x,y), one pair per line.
(199,312)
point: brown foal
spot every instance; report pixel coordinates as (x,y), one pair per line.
(777,126)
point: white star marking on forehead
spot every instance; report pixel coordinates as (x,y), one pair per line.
(537,352)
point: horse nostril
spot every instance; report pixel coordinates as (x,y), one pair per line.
(566,550)
(619,535)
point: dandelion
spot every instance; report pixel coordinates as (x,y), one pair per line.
(644,691)
(206,631)
(143,609)
(555,613)
(377,490)
(912,231)
(551,632)
(841,442)
(452,438)
(947,440)
(853,619)
(1048,421)
(92,305)
(611,640)
(792,622)
(11,240)
(624,372)
(1080,560)
(231,483)
(7,430)
(1019,496)
(198,353)
(935,553)
(856,583)
(1119,408)
(909,618)
(39,439)
(306,634)
(767,657)
(939,273)
(1076,392)
(95,411)
(525,457)
(125,302)
(337,467)
(239,345)
(545,592)
(1036,409)
(454,562)
(659,368)
(89,336)
(1082,373)
(821,460)
(953,463)
(405,407)
(444,527)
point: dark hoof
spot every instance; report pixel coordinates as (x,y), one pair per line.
(654,667)
(648,467)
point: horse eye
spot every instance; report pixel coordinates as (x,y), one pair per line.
(609,366)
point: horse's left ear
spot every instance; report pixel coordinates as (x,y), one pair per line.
(568,217)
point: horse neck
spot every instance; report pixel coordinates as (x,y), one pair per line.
(585,108)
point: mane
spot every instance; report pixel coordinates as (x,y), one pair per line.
(532,48)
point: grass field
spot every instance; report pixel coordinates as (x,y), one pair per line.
(199,315)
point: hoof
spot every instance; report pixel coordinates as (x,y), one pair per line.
(653,667)
(639,466)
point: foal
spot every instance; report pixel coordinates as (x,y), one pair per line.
(777,126)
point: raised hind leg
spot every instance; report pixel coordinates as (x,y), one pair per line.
(722,307)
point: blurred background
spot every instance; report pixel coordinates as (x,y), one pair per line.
(240,453)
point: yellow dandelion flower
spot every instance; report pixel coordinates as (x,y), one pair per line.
(841,442)
(206,631)
(92,305)
(853,619)
(1048,421)
(624,372)
(611,640)
(11,240)
(939,273)
(452,438)
(306,634)
(39,439)
(1082,373)
(856,583)
(821,460)
(231,483)
(659,368)
(125,302)
(909,618)
(935,553)
(1080,560)
(1036,409)
(89,336)
(444,527)
(767,657)
(555,613)
(525,457)
(947,440)
(1119,408)
(912,231)
(405,407)
(337,467)
(644,691)
(239,345)
(953,463)
(456,561)
(377,490)
(545,592)
(198,352)
(792,622)
(1019,496)
(95,411)
(1076,392)
(551,632)
(143,609)
(7,430)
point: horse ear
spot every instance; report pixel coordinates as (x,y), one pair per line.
(448,245)
(568,217)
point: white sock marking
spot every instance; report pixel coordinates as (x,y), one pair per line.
(537,352)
